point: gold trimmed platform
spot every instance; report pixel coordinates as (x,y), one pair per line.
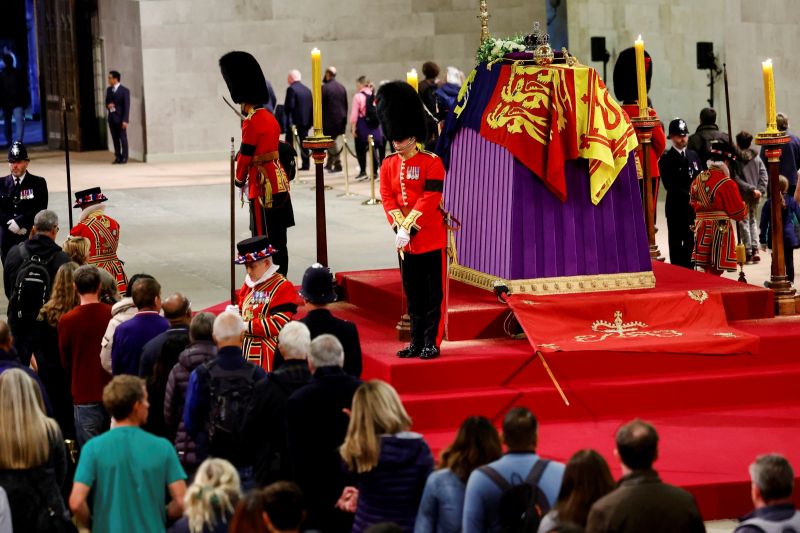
(562,285)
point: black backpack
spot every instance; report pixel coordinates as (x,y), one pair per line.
(32,288)
(371,116)
(522,505)
(231,392)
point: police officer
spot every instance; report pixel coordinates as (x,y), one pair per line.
(22,195)
(679,166)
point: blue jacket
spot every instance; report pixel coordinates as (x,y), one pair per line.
(9,360)
(130,338)
(483,495)
(790,241)
(442,505)
(298,107)
(391,491)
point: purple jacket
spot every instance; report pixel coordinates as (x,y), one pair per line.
(129,339)
(194,355)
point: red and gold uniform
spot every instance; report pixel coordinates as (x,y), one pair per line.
(103,234)
(258,168)
(716,200)
(266,307)
(411,191)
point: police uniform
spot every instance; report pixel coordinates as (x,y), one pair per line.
(266,304)
(678,169)
(716,200)
(258,165)
(411,191)
(20,200)
(102,232)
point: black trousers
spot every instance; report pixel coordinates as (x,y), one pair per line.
(262,224)
(120,138)
(681,241)
(302,132)
(422,283)
(8,240)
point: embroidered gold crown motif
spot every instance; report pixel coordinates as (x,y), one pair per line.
(623,330)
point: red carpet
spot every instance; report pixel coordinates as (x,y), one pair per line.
(714,413)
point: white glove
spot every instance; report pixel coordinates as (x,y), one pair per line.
(13,227)
(401,239)
(232,309)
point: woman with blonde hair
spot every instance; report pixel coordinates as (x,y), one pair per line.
(33,462)
(211,499)
(63,298)
(390,462)
(77,248)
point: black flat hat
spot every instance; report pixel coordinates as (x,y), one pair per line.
(88,197)
(253,249)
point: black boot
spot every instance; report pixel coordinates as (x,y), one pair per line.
(429,352)
(413,350)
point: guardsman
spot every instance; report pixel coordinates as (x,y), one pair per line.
(716,201)
(258,164)
(102,232)
(627,93)
(411,189)
(679,166)
(22,195)
(267,301)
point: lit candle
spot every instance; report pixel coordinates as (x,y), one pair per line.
(412,79)
(769,95)
(641,78)
(316,87)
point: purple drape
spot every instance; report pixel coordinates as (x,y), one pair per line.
(514,228)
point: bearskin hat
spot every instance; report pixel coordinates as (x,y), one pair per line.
(625,75)
(400,112)
(244,78)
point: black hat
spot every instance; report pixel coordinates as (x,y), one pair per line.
(17,152)
(318,285)
(400,112)
(678,127)
(253,249)
(88,197)
(720,150)
(625,87)
(244,78)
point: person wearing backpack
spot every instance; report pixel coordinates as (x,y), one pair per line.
(513,493)
(217,398)
(641,501)
(364,122)
(771,491)
(28,276)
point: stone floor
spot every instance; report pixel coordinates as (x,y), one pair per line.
(175,224)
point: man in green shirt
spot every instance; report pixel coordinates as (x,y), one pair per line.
(127,468)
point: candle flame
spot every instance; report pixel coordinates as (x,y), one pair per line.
(315,51)
(639,39)
(767,63)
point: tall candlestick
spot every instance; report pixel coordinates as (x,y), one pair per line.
(769,95)
(641,78)
(316,87)
(413,79)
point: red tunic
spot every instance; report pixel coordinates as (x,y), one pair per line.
(658,145)
(716,200)
(411,192)
(103,234)
(260,138)
(266,308)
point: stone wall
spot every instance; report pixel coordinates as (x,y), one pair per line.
(122,43)
(744,33)
(182,40)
